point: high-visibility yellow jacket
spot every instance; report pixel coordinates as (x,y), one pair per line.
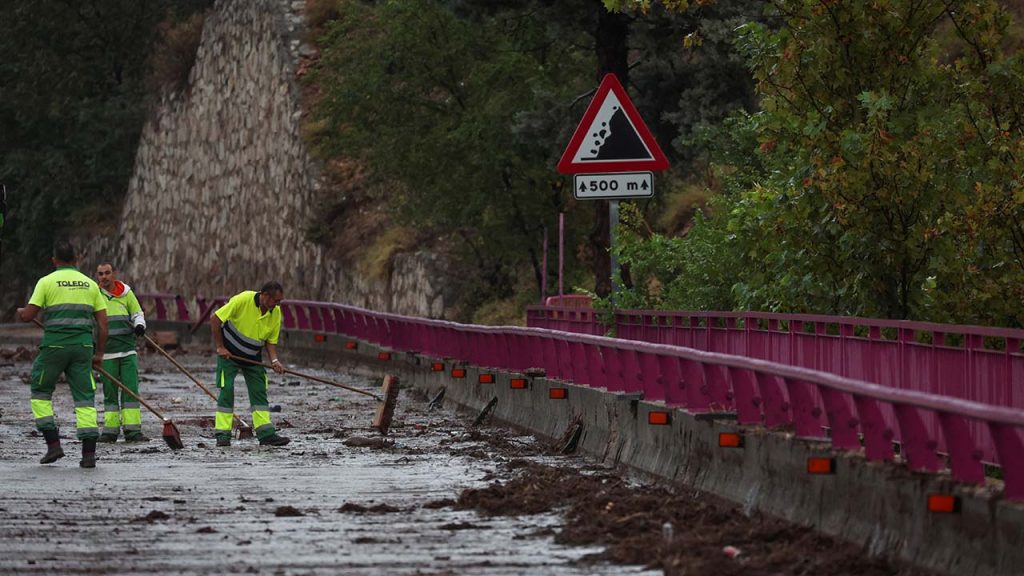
(245,328)
(69,301)
(123,315)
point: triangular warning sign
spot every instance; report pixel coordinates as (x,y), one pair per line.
(611,137)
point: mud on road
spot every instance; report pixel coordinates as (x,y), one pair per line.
(437,497)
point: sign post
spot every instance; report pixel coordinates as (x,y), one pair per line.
(612,155)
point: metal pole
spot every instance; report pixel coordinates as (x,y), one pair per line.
(613,224)
(544,270)
(561,254)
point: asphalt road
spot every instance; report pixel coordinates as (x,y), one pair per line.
(317,506)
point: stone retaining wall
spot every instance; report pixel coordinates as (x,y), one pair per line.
(224,187)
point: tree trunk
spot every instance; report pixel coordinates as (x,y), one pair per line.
(612,49)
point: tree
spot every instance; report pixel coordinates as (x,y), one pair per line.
(72,110)
(888,153)
(460,118)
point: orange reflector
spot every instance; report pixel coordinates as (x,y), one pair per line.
(437,366)
(658,418)
(486,379)
(558,393)
(518,383)
(384,356)
(943,503)
(821,465)
(458,372)
(730,440)
(320,338)
(350,345)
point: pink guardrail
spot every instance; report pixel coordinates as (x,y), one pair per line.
(968,362)
(848,412)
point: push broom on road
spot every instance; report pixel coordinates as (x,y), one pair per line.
(170,433)
(244,429)
(388,397)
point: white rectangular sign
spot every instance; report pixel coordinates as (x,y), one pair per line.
(613,186)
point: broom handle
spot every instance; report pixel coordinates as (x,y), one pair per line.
(117,382)
(189,374)
(130,393)
(179,366)
(308,377)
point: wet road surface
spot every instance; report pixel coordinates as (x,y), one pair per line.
(317,506)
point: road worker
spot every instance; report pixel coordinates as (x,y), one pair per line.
(71,304)
(248,323)
(125,320)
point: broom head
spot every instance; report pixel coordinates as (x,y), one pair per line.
(244,430)
(386,408)
(172,436)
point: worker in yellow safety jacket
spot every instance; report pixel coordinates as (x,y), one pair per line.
(126,321)
(71,304)
(248,323)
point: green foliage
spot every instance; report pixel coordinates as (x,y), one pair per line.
(885,179)
(467,116)
(72,109)
(461,109)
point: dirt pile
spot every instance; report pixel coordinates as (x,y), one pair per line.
(680,532)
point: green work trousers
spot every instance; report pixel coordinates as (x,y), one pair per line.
(256,382)
(75,362)
(120,409)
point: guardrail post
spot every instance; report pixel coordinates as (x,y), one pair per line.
(1011,457)
(805,413)
(748,405)
(878,436)
(917,446)
(964,457)
(842,424)
(774,403)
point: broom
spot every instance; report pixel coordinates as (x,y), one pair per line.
(388,398)
(244,430)
(170,433)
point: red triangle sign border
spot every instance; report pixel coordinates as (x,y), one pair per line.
(567,165)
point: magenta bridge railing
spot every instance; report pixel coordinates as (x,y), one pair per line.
(851,413)
(968,362)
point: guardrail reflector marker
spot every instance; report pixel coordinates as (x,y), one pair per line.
(384,356)
(486,379)
(351,345)
(659,418)
(821,465)
(437,367)
(517,383)
(943,503)
(730,440)
(458,372)
(320,338)
(558,393)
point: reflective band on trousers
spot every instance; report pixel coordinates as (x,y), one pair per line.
(85,417)
(223,420)
(260,418)
(42,408)
(131,417)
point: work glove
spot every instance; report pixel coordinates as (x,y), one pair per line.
(140,330)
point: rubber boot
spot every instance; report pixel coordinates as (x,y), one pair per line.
(53,450)
(88,454)
(274,440)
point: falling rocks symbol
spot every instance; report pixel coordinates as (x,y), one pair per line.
(618,141)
